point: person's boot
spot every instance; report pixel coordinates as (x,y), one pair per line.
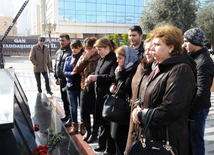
(82,128)
(88,130)
(67,116)
(68,123)
(74,128)
(94,134)
(102,140)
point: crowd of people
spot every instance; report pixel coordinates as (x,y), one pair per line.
(169,72)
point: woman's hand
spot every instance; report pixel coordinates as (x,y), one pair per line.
(112,89)
(134,115)
(57,82)
(88,55)
(90,79)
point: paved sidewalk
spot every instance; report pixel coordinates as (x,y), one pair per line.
(24,72)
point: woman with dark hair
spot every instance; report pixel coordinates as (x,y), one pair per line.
(127,59)
(73,84)
(169,88)
(85,66)
(103,78)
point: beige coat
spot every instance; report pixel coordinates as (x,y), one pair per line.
(39,59)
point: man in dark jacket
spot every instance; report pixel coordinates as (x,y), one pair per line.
(61,55)
(193,42)
(135,38)
(40,58)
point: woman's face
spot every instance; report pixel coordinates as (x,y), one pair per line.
(90,49)
(76,50)
(148,52)
(120,59)
(103,51)
(160,50)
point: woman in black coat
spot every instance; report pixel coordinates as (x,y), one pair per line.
(127,65)
(103,78)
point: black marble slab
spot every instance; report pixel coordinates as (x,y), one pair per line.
(44,114)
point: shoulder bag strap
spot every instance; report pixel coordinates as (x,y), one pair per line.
(118,87)
(149,116)
(138,91)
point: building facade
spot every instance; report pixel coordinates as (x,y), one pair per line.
(83,18)
(4,25)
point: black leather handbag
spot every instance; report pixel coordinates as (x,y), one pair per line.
(116,109)
(143,147)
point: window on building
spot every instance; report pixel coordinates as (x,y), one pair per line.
(61,5)
(91,19)
(111,19)
(80,6)
(91,6)
(5,23)
(101,7)
(69,5)
(121,2)
(80,0)
(101,1)
(81,18)
(111,2)
(130,2)
(100,11)
(101,19)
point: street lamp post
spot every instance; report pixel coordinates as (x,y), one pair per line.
(49,27)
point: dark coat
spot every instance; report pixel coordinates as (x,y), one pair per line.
(120,131)
(40,58)
(170,92)
(140,52)
(61,55)
(205,73)
(105,77)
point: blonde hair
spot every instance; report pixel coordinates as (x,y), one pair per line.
(104,42)
(170,35)
(120,50)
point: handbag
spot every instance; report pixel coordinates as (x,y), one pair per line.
(116,109)
(143,147)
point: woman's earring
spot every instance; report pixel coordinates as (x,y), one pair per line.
(170,52)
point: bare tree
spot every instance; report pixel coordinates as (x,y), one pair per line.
(205,21)
(180,13)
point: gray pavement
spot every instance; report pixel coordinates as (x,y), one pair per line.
(24,72)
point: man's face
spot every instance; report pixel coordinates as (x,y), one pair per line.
(135,38)
(41,43)
(188,46)
(63,42)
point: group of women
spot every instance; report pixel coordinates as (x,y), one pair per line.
(164,80)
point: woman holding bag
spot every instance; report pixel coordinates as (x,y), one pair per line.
(169,89)
(127,65)
(103,78)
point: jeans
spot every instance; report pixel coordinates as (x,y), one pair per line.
(197,127)
(72,97)
(38,80)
